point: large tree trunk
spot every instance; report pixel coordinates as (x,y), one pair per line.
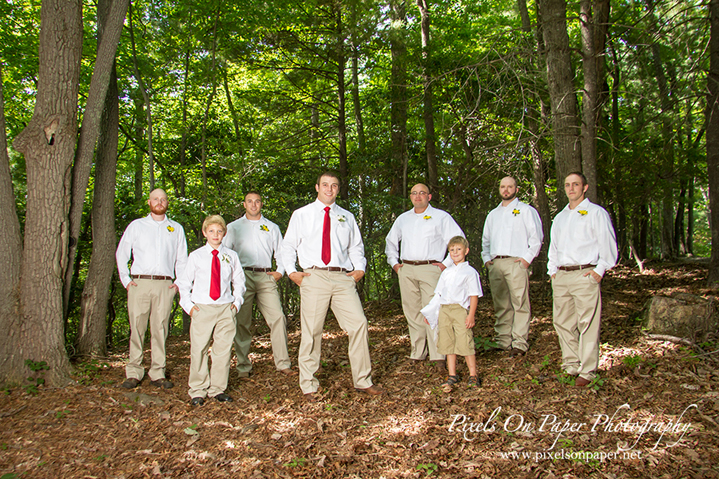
(429,133)
(560,75)
(109,30)
(34,331)
(712,139)
(398,97)
(594,15)
(92,333)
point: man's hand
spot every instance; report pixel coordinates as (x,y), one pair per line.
(194,308)
(174,286)
(488,264)
(426,321)
(469,322)
(397,267)
(441,266)
(298,276)
(525,265)
(131,283)
(554,275)
(357,275)
(277,276)
(596,276)
(233,308)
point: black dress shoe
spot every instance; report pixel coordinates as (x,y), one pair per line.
(222,397)
(130,383)
(198,401)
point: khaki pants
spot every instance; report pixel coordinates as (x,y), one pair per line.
(150,300)
(510,295)
(454,336)
(319,291)
(416,284)
(261,287)
(211,324)
(577,317)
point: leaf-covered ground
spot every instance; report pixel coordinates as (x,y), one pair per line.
(654,413)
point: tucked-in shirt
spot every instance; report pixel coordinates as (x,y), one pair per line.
(158,248)
(455,286)
(194,283)
(582,236)
(424,236)
(514,230)
(303,239)
(255,242)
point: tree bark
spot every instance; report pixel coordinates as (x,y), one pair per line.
(206,117)
(398,98)
(341,103)
(109,30)
(35,329)
(560,75)
(621,223)
(429,131)
(712,140)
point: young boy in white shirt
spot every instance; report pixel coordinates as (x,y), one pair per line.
(211,289)
(450,313)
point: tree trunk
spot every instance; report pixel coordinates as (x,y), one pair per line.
(206,117)
(109,30)
(621,224)
(429,133)
(567,153)
(398,98)
(712,140)
(92,333)
(34,331)
(139,154)
(341,120)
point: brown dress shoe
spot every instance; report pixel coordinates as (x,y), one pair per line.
(581,382)
(288,372)
(130,383)
(162,383)
(372,391)
(514,352)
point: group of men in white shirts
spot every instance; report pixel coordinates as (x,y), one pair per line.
(325,240)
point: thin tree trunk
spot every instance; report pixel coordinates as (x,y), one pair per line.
(429,132)
(35,329)
(206,117)
(341,120)
(565,122)
(712,140)
(621,224)
(139,154)
(398,97)
(109,31)
(183,137)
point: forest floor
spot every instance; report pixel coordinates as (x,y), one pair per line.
(653,413)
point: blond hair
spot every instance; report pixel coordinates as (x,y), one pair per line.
(460,240)
(213,220)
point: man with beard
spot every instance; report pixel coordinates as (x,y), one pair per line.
(159,254)
(582,248)
(424,233)
(511,240)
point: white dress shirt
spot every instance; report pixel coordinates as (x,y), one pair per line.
(514,230)
(303,239)
(424,236)
(158,248)
(255,242)
(581,236)
(194,283)
(455,286)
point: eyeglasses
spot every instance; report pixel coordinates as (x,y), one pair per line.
(418,193)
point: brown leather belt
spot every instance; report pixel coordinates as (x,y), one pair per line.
(576,267)
(418,263)
(151,276)
(333,269)
(258,270)
(501,257)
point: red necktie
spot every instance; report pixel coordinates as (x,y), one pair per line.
(326,249)
(215,277)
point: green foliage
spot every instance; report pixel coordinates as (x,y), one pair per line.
(296,462)
(89,370)
(38,368)
(484,344)
(429,468)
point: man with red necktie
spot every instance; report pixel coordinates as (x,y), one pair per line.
(326,240)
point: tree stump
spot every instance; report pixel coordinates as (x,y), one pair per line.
(682,315)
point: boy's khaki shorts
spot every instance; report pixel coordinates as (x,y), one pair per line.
(454,337)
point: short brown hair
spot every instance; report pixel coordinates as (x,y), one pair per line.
(579,174)
(330,174)
(460,240)
(213,220)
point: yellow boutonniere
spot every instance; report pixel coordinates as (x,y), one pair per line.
(427,217)
(582,212)
(170,229)
(264,228)
(225,258)
(515,212)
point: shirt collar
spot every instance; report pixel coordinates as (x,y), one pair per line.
(322,206)
(512,204)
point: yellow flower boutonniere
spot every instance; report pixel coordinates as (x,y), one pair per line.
(170,229)
(341,218)
(582,212)
(427,217)
(264,228)
(515,212)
